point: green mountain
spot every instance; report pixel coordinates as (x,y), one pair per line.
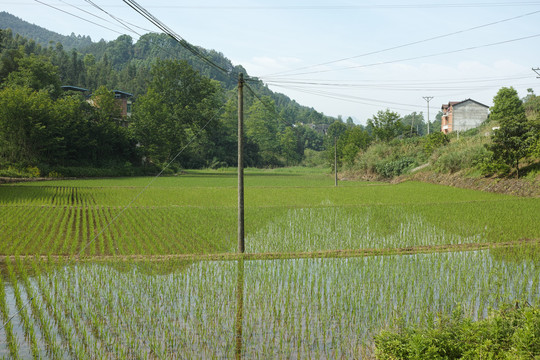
(41,35)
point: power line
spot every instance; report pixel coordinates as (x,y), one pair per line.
(79,17)
(399,86)
(350,98)
(352,7)
(122,23)
(419,57)
(108,21)
(142,11)
(409,44)
(340,7)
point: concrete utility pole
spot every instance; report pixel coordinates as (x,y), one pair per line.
(335,161)
(241,163)
(428,99)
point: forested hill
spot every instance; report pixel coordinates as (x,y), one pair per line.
(41,35)
(125,64)
(176,95)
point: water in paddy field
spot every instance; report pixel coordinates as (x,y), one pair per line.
(262,308)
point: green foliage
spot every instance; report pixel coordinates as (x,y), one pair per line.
(434,141)
(531,104)
(40,35)
(105,104)
(313,158)
(511,141)
(27,125)
(37,73)
(454,159)
(513,332)
(17,172)
(261,127)
(289,147)
(177,105)
(489,166)
(414,124)
(351,139)
(89,136)
(389,169)
(386,125)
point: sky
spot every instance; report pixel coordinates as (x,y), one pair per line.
(341,57)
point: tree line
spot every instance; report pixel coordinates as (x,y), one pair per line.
(177,107)
(189,106)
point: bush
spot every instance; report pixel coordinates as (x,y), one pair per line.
(369,159)
(125,169)
(313,158)
(489,166)
(20,172)
(513,332)
(390,169)
(434,141)
(456,158)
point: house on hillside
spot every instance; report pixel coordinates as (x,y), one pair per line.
(75,88)
(462,115)
(123,100)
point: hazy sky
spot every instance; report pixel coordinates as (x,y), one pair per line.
(392,52)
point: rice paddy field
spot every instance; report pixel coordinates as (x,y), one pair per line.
(142,268)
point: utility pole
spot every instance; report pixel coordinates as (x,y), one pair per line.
(412,122)
(241,163)
(537,71)
(428,99)
(335,161)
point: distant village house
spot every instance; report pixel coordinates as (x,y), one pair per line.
(462,115)
(123,99)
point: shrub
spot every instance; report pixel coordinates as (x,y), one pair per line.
(434,141)
(457,158)
(390,169)
(489,166)
(511,332)
(54,174)
(313,158)
(33,172)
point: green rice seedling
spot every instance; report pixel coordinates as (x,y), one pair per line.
(22,309)
(5,317)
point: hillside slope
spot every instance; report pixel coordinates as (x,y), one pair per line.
(41,35)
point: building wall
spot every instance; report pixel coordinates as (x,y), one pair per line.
(468,115)
(446,122)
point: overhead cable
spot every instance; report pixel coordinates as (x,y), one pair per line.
(409,43)
(160,25)
(416,57)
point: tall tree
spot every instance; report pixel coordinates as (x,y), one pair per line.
(37,73)
(27,125)
(510,141)
(261,126)
(179,102)
(386,125)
